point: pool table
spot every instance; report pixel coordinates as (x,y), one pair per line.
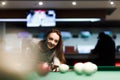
(103,73)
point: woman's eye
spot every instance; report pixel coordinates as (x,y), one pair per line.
(56,41)
(50,38)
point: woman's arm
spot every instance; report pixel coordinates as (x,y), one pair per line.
(56,61)
(55,65)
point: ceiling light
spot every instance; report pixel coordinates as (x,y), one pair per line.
(77,19)
(74,3)
(3,3)
(40,3)
(57,20)
(111,2)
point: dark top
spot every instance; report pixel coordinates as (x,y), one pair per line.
(105,50)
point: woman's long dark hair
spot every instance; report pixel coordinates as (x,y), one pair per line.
(59,48)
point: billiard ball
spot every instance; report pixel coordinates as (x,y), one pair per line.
(89,68)
(63,68)
(43,69)
(78,67)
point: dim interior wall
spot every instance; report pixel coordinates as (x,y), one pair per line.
(91,41)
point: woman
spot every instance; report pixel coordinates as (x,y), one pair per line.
(50,49)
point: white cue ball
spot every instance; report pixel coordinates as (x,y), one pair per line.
(78,67)
(63,68)
(90,68)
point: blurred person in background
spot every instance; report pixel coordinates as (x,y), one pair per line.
(105,50)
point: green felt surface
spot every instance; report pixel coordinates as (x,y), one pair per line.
(103,73)
(100,75)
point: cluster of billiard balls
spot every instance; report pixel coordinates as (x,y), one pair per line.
(80,68)
(86,68)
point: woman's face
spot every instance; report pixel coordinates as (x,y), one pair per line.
(52,40)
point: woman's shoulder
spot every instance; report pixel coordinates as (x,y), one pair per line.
(35,43)
(36,40)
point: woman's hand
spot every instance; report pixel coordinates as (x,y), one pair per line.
(54,68)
